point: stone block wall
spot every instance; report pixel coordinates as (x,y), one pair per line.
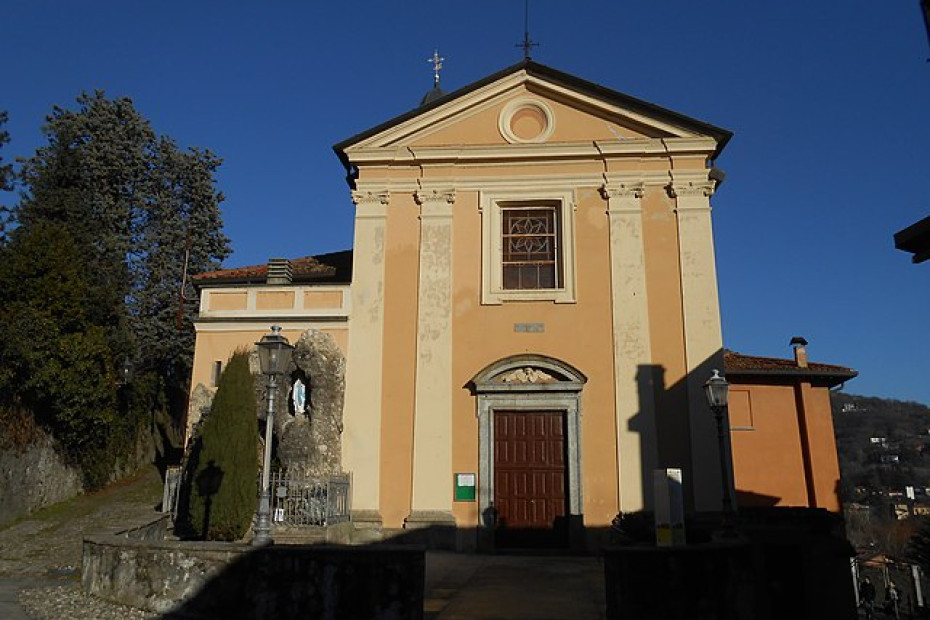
(34,477)
(230,580)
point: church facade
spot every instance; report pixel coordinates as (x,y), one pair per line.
(531,315)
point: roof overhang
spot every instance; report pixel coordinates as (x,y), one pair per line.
(915,239)
(827,378)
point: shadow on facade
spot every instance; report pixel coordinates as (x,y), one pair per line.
(788,562)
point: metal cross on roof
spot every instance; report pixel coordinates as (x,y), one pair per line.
(437,66)
(526,44)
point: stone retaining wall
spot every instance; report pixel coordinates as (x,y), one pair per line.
(232,580)
(34,477)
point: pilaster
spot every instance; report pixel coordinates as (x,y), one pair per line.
(634,397)
(361,446)
(703,335)
(431,503)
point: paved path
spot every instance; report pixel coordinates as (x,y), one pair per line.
(512,587)
(45,550)
(49,541)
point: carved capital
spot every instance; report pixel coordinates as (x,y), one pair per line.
(424,196)
(370,198)
(623,190)
(686,189)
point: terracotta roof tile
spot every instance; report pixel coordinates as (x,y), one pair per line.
(335,267)
(739,364)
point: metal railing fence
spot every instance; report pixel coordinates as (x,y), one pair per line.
(298,501)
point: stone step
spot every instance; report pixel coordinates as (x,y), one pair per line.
(299,535)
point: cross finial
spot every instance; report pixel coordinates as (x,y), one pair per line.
(526,44)
(437,66)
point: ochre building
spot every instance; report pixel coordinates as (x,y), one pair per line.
(529,317)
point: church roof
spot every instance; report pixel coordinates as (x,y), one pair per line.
(535,69)
(332,268)
(739,365)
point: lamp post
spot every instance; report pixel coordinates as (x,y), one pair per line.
(126,370)
(717,391)
(274,355)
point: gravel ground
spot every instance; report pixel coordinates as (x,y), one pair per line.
(71,603)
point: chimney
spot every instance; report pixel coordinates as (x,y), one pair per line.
(279,271)
(800,351)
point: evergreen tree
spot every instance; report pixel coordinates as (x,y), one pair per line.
(53,359)
(125,215)
(6,176)
(146,213)
(223,492)
(92,177)
(180,233)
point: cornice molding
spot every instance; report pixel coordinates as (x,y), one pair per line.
(411,155)
(596,180)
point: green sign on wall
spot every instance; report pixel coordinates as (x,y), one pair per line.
(465,487)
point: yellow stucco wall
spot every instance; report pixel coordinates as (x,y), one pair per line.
(577,332)
(274,300)
(768,445)
(819,417)
(397,402)
(314,300)
(667,329)
(220,300)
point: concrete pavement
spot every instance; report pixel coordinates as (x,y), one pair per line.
(513,587)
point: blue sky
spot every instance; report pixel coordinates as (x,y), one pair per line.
(828,102)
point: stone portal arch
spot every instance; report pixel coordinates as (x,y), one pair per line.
(529,383)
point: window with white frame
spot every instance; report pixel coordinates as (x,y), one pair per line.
(527,247)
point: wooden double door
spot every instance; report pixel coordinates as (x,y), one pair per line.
(530,479)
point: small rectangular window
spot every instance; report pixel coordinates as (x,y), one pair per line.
(531,247)
(215,376)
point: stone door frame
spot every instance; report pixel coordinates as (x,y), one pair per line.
(528,383)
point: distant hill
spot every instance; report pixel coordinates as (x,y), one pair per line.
(883,444)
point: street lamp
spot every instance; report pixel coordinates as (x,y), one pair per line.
(274,355)
(717,391)
(126,370)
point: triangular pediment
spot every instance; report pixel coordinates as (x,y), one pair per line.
(531,104)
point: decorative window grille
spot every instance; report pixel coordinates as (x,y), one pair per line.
(531,250)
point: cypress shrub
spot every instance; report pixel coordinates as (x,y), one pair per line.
(223,490)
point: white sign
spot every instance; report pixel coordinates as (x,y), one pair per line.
(465,480)
(669,507)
